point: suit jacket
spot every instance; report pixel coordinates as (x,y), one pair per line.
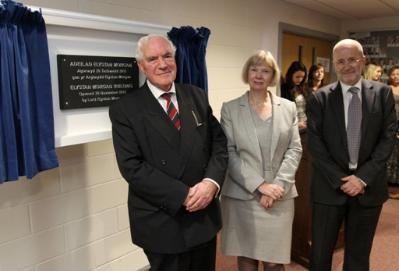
(160,163)
(328,143)
(245,167)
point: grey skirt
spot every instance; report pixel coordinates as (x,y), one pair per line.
(249,230)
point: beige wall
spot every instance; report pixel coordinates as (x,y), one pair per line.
(374,24)
(75,217)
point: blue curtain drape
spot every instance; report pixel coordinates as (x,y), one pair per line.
(26,110)
(190,54)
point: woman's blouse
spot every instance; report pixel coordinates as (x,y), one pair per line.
(300,102)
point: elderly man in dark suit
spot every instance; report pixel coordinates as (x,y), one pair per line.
(172,152)
(351,127)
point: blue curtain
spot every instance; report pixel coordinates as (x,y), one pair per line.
(26,112)
(190,54)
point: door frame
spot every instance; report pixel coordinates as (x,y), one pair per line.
(302,31)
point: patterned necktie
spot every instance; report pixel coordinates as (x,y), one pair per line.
(171,110)
(353,130)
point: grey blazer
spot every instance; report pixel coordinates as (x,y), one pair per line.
(245,168)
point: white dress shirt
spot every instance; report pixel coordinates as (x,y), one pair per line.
(158,93)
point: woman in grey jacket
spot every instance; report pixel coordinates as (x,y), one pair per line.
(264,152)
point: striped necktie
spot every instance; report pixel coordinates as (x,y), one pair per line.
(171,110)
(353,129)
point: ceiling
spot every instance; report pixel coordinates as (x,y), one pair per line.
(351,9)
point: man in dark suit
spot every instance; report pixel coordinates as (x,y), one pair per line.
(172,152)
(351,126)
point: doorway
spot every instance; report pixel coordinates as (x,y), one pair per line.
(309,46)
(308,50)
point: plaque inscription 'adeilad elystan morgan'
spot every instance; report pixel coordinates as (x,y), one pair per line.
(94,81)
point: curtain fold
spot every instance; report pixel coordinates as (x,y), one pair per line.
(26,110)
(190,54)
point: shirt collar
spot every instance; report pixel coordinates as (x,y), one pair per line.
(157,92)
(346,87)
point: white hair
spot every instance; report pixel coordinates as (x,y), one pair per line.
(145,39)
(349,43)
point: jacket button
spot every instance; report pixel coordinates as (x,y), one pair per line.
(163,162)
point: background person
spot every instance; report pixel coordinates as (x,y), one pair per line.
(315,78)
(393,162)
(373,72)
(294,89)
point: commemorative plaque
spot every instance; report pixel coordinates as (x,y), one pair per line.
(94,81)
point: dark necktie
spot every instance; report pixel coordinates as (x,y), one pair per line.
(171,110)
(353,130)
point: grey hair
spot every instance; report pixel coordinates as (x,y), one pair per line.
(349,43)
(145,39)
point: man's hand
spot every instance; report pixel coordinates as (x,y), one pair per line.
(200,195)
(266,202)
(273,191)
(352,185)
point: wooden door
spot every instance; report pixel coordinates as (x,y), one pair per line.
(308,50)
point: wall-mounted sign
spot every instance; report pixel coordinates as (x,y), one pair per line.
(94,81)
(325,61)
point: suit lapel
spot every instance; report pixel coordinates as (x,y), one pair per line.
(245,118)
(158,119)
(368,98)
(337,105)
(188,122)
(275,120)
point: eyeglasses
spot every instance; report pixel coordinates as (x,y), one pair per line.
(340,63)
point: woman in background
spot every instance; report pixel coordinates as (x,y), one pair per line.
(294,90)
(373,72)
(315,78)
(393,162)
(264,152)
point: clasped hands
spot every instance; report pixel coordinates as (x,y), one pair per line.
(352,185)
(270,193)
(200,195)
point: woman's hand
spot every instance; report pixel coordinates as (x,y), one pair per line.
(266,202)
(302,124)
(273,191)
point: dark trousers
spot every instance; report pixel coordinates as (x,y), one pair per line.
(360,225)
(200,258)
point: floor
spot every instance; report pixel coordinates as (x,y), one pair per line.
(384,255)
